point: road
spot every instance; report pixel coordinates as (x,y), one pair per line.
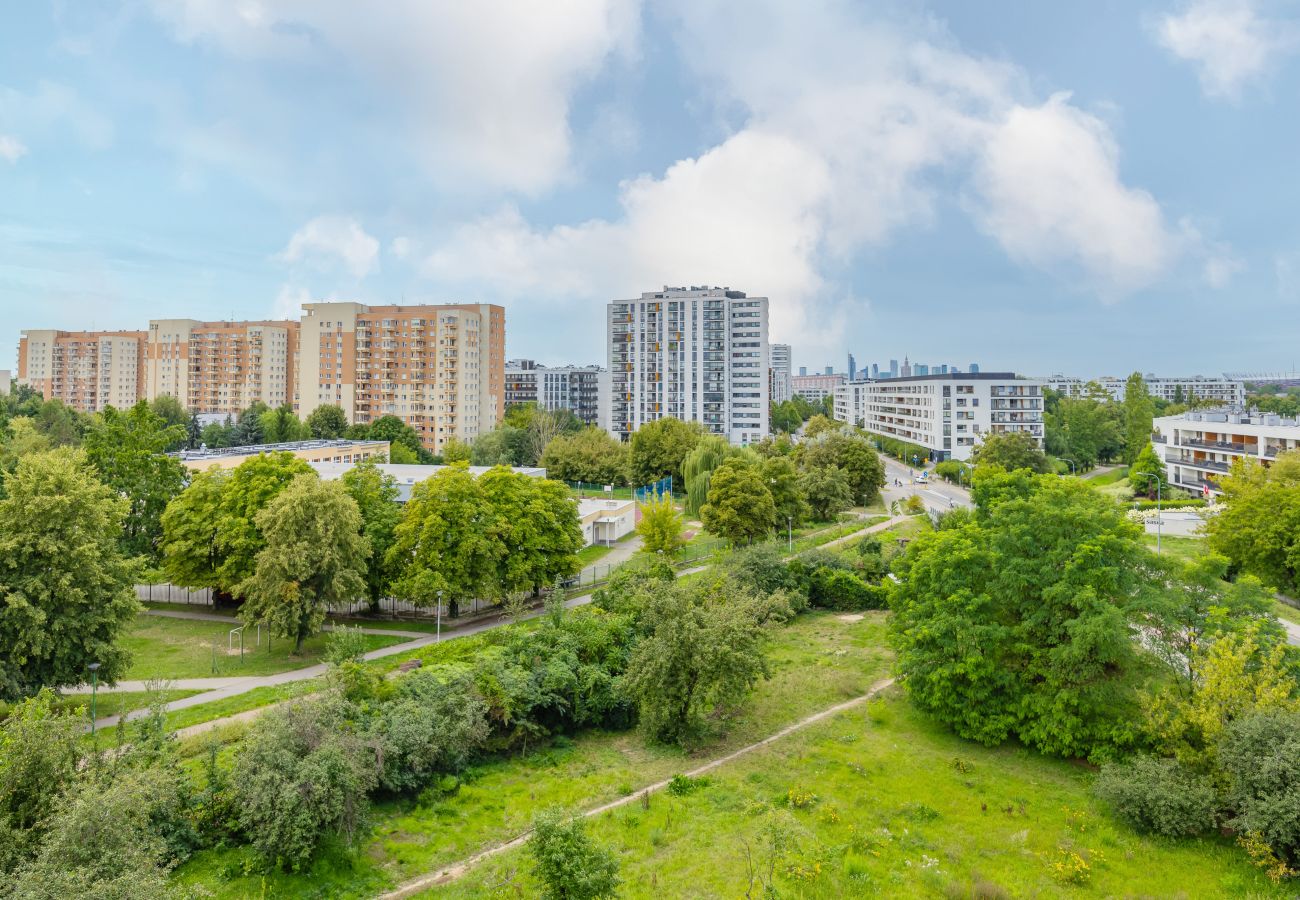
(938,496)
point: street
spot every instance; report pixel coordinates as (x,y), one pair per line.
(938,495)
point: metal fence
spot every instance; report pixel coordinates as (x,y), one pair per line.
(170,593)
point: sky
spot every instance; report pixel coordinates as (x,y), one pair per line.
(1086,188)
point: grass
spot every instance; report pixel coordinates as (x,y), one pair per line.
(1187,549)
(594,553)
(818,660)
(166,648)
(112,704)
(1285,611)
(1114,476)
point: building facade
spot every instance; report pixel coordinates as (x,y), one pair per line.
(5,378)
(946,414)
(699,354)
(87,370)
(584,390)
(1225,391)
(779,386)
(1199,446)
(342,451)
(221,368)
(816,387)
(439,368)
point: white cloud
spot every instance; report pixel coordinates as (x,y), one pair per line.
(1230,42)
(401,247)
(330,239)
(11,149)
(288,302)
(486,85)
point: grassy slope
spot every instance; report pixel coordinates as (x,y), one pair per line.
(182,648)
(817,661)
(903,809)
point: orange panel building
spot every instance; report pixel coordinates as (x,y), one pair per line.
(87,370)
(221,367)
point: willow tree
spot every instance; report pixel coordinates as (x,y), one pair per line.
(697,469)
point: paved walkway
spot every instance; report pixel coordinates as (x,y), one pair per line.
(621,552)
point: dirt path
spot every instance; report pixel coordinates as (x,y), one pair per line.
(455,870)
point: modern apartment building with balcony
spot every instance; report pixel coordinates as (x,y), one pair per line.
(583,390)
(699,354)
(1228,391)
(87,370)
(221,368)
(779,374)
(440,367)
(947,414)
(1199,446)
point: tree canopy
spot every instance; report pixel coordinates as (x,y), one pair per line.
(375,494)
(327,422)
(658,449)
(1011,450)
(591,455)
(1257,526)
(740,506)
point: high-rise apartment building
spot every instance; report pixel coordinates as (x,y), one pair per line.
(946,414)
(584,390)
(439,368)
(779,389)
(699,354)
(221,368)
(87,370)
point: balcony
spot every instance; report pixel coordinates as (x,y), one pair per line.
(1227,446)
(1209,464)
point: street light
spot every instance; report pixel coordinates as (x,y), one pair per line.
(1159,521)
(1070,461)
(789,530)
(94,686)
(438,618)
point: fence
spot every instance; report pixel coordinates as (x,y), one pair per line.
(170,593)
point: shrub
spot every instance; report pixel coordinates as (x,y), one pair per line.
(431,728)
(839,590)
(761,569)
(344,645)
(1261,756)
(681,785)
(567,862)
(1159,796)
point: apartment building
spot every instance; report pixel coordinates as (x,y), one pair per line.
(584,390)
(947,414)
(699,354)
(5,378)
(1199,446)
(1225,391)
(221,368)
(87,370)
(342,451)
(816,387)
(439,368)
(779,387)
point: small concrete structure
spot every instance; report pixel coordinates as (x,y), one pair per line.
(408,476)
(605,521)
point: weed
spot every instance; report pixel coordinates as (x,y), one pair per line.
(798,798)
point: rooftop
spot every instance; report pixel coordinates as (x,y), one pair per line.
(290,446)
(949,376)
(1232,415)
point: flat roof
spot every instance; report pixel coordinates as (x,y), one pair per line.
(951,376)
(290,446)
(409,473)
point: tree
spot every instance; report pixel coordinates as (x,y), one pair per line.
(1085,429)
(39,756)
(819,425)
(697,468)
(171,411)
(826,489)
(248,429)
(394,430)
(281,425)
(853,454)
(700,655)
(740,506)
(402,455)
(66,591)
(785,418)
(190,553)
(216,434)
(1016,622)
(783,481)
(502,446)
(61,425)
(1261,755)
(659,447)
(128,451)
(1145,464)
(592,455)
(1257,526)
(567,862)
(251,487)
(327,422)
(1011,450)
(660,526)
(446,545)
(536,522)
(455,450)
(314,556)
(193,433)
(1138,412)
(375,494)
(23,439)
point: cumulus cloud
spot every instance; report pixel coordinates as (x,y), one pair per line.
(11,148)
(486,86)
(330,240)
(1230,42)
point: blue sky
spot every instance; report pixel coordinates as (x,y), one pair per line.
(1087,188)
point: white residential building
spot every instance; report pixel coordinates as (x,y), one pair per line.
(779,374)
(1228,391)
(816,387)
(946,414)
(584,390)
(1201,445)
(699,354)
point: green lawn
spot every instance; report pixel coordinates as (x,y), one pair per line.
(594,553)
(112,704)
(1178,546)
(818,661)
(1285,611)
(164,648)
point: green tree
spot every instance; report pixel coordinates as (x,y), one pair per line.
(62,425)
(455,450)
(852,453)
(700,656)
(660,526)
(592,455)
(171,411)
(537,522)
(190,552)
(567,862)
(697,468)
(66,590)
(1138,411)
(1261,756)
(39,756)
(394,430)
(314,555)
(128,451)
(402,455)
(1011,450)
(740,506)
(248,429)
(1148,463)
(826,489)
(218,434)
(785,417)
(281,425)
(1017,621)
(375,494)
(502,446)
(1257,525)
(819,425)
(327,422)
(660,447)
(22,439)
(251,487)
(1085,429)
(784,483)
(446,543)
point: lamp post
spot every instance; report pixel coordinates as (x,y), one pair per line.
(789,532)
(1159,521)
(438,618)
(1070,461)
(94,687)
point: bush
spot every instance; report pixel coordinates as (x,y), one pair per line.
(432,728)
(761,569)
(1261,756)
(844,591)
(1157,796)
(567,862)
(345,645)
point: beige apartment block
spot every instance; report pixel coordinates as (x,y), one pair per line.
(221,367)
(87,370)
(439,368)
